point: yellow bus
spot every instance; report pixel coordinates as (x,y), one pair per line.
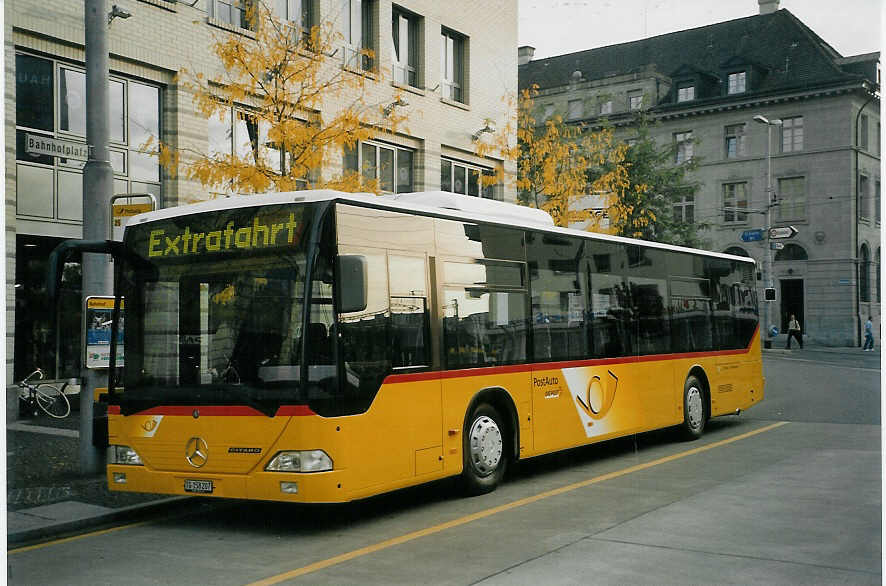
(325,347)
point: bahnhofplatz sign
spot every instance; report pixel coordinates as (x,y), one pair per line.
(43,145)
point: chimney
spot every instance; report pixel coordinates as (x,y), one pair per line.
(768,6)
(524,54)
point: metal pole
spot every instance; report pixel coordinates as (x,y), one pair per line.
(98,181)
(768,276)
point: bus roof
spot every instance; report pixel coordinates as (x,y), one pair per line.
(434,203)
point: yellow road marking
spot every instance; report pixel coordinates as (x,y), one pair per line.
(500,509)
(75,537)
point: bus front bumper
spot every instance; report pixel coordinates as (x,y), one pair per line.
(315,487)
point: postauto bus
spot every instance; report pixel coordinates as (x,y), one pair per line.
(319,346)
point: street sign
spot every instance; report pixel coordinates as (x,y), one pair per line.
(752,235)
(42,145)
(782,233)
(776,245)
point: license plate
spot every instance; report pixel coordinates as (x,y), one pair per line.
(201,486)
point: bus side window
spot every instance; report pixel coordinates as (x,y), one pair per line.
(610,312)
(559,304)
(364,333)
(408,336)
(409,330)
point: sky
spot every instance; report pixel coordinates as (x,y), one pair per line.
(556,27)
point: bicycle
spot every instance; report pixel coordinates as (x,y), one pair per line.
(46,396)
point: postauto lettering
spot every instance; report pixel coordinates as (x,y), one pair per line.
(257,235)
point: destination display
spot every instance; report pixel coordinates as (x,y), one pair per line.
(247,229)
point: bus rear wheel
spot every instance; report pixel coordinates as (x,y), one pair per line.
(484,453)
(694,409)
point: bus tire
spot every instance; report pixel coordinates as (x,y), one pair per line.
(695,410)
(484,450)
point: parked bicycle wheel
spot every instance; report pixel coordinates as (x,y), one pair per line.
(53,401)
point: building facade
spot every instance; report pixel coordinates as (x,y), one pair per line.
(451,62)
(720,94)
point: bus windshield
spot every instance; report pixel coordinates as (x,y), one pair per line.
(215,309)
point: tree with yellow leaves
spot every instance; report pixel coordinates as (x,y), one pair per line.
(553,161)
(287,88)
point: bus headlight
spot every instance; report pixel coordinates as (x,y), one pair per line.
(300,461)
(123,455)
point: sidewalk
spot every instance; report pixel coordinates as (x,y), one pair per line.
(47,497)
(779,342)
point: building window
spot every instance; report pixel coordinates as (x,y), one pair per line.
(735,141)
(877,200)
(241,134)
(792,134)
(237,13)
(635,100)
(606,108)
(791,252)
(51,104)
(576,109)
(684,209)
(299,13)
(863,197)
(685,92)
(736,251)
(737,82)
(863,133)
(864,271)
(791,198)
(452,65)
(405,28)
(878,274)
(356,20)
(548,112)
(683,145)
(735,201)
(459,177)
(391,166)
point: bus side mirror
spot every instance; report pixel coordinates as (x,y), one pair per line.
(352,283)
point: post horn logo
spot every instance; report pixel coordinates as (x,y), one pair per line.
(597,401)
(196,452)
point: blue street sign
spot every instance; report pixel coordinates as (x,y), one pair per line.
(752,235)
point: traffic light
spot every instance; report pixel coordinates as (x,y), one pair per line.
(769,294)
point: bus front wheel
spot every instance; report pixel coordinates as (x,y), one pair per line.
(694,410)
(485,458)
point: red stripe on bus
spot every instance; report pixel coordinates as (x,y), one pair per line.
(519,368)
(219,410)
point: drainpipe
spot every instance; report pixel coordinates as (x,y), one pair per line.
(858,268)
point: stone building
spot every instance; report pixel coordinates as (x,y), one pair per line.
(718,93)
(452,62)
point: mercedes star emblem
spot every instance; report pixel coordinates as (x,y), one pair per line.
(196,452)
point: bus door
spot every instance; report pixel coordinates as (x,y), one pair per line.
(397,431)
(410,346)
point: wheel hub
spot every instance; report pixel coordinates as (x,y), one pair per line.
(485,445)
(694,407)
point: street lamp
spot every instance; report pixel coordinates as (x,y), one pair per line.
(767,269)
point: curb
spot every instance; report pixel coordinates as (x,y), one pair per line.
(78,526)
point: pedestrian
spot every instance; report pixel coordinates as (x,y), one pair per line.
(794,332)
(868,336)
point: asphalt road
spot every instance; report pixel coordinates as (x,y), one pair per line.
(788,493)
